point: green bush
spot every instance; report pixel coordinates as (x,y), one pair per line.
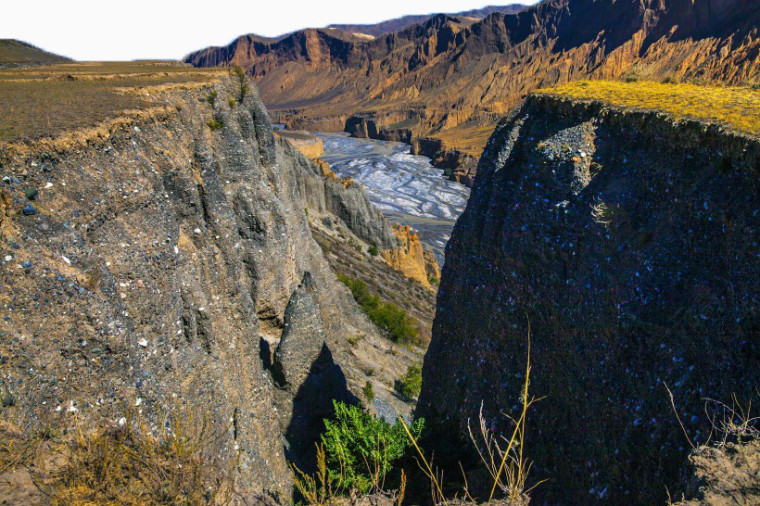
(215,125)
(211,97)
(368,391)
(242,83)
(411,384)
(388,317)
(372,251)
(361,449)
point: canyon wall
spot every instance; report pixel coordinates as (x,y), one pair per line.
(170,265)
(455,76)
(624,246)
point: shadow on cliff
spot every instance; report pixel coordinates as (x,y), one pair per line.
(313,403)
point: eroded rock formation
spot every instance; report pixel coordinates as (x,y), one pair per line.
(629,242)
(410,258)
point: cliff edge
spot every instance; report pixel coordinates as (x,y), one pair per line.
(153,265)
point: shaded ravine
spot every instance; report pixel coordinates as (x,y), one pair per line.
(405,187)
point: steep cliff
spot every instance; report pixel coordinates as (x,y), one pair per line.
(398,24)
(628,241)
(159,263)
(452,78)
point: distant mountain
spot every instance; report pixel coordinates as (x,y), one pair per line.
(398,24)
(452,77)
(16,53)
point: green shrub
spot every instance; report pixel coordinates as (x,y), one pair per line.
(388,317)
(411,384)
(368,391)
(215,125)
(361,449)
(372,251)
(211,97)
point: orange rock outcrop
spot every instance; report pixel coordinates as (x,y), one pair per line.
(411,259)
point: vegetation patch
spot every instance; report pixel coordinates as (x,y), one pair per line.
(357,453)
(126,464)
(411,384)
(735,107)
(390,318)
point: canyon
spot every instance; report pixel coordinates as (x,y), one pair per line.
(171,258)
(443,84)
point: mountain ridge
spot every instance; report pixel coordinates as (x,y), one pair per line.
(448,76)
(18,53)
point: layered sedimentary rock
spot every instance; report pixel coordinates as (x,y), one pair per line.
(628,242)
(452,77)
(150,269)
(308,145)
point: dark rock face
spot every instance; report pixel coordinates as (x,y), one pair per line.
(630,243)
(157,261)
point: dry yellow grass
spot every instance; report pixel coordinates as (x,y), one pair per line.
(736,107)
(469,139)
(47,102)
(126,465)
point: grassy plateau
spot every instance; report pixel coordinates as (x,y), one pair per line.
(736,107)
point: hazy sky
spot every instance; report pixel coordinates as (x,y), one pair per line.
(139,29)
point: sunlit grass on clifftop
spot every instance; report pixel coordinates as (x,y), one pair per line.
(48,101)
(736,107)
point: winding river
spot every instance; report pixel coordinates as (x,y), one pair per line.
(405,187)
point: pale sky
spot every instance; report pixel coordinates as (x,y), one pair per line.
(169,29)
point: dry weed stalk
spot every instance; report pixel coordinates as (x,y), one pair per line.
(734,421)
(130,465)
(511,473)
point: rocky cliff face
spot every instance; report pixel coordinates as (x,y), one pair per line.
(161,265)
(451,77)
(629,243)
(411,259)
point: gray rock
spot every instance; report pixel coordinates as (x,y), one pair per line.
(303,336)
